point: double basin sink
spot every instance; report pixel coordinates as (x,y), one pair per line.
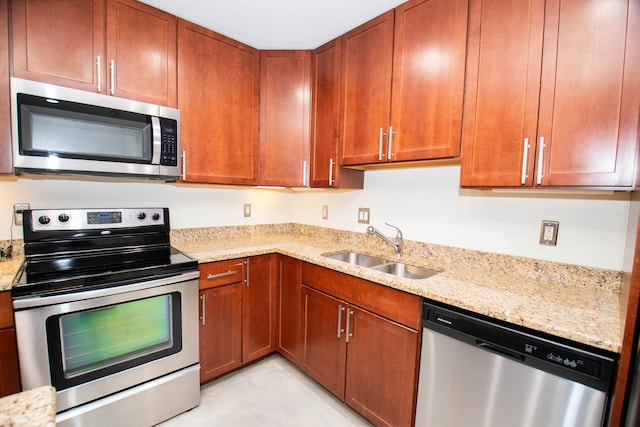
(398,269)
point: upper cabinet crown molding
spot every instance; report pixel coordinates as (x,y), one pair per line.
(117,47)
(552,94)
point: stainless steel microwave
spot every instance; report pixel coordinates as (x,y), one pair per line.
(67,131)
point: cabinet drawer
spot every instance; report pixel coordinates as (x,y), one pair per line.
(6,312)
(221,273)
(393,304)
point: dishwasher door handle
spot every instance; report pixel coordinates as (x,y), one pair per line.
(499,350)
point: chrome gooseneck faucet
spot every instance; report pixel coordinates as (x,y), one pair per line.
(397,244)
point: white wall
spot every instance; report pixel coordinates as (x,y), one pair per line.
(426,203)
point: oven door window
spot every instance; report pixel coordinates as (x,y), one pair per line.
(94,343)
(79,131)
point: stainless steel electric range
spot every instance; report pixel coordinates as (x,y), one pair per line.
(106,311)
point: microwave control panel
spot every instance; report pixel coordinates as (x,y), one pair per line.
(169,131)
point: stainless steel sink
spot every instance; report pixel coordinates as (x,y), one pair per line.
(405,270)
(357,259)
(395,268)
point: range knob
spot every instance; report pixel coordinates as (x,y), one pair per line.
(155,216)
(141,215)
(44,220)
(63,217)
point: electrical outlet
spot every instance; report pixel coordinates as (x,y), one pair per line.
(18,208)
(363,215)
(549,233)
(247,210)
(325,211)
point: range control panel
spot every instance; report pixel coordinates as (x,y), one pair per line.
(87,219)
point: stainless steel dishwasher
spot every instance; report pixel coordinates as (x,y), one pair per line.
(480,372)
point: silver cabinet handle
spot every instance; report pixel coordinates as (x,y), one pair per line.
(218,275)
(340,310)
(331,163)
(349,334)
(112,90)
(184,165)
(380,147)
(202,303)
(247,279)
(99,69)
(540,157)
(389,152)
(525,156)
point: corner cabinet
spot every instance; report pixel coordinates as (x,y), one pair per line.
(9,377)
(325,172)
(6,164)
(219,101)
(553,91)
(403,84)
(285,116)
(117,47)
(237,313)
(288,308)
(361,341)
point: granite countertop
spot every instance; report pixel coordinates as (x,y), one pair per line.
(577,303)
(32,408)
(572,302)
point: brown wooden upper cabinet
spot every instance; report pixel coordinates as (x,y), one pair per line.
(116,47)
(403,84)
(6,165)
(325,172)
(552,93)
(285,117)
(219,101)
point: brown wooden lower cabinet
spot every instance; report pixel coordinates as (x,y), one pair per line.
(237,313)
(9,376)
(369,361)
(288,307)
(358,339)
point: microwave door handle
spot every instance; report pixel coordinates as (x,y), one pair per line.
(156,132)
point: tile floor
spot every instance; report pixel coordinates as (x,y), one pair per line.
(270,393)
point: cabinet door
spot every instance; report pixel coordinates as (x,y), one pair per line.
(220,330)
(285,86)
(258,308)
(325,172)
(504,60)
(219,98)
(323,343)
(141,52)
(6,165)
(428,79)
(9,379)
(288,307)
(59,42)
(382,367)
(590,93)
(325,63)
(365,97)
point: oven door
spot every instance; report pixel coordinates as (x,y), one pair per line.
(92,344)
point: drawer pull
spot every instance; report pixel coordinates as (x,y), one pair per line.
(218,275)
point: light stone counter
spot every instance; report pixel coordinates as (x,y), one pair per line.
(32,408)
(572,302)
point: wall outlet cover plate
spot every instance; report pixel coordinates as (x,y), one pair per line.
(549,233)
